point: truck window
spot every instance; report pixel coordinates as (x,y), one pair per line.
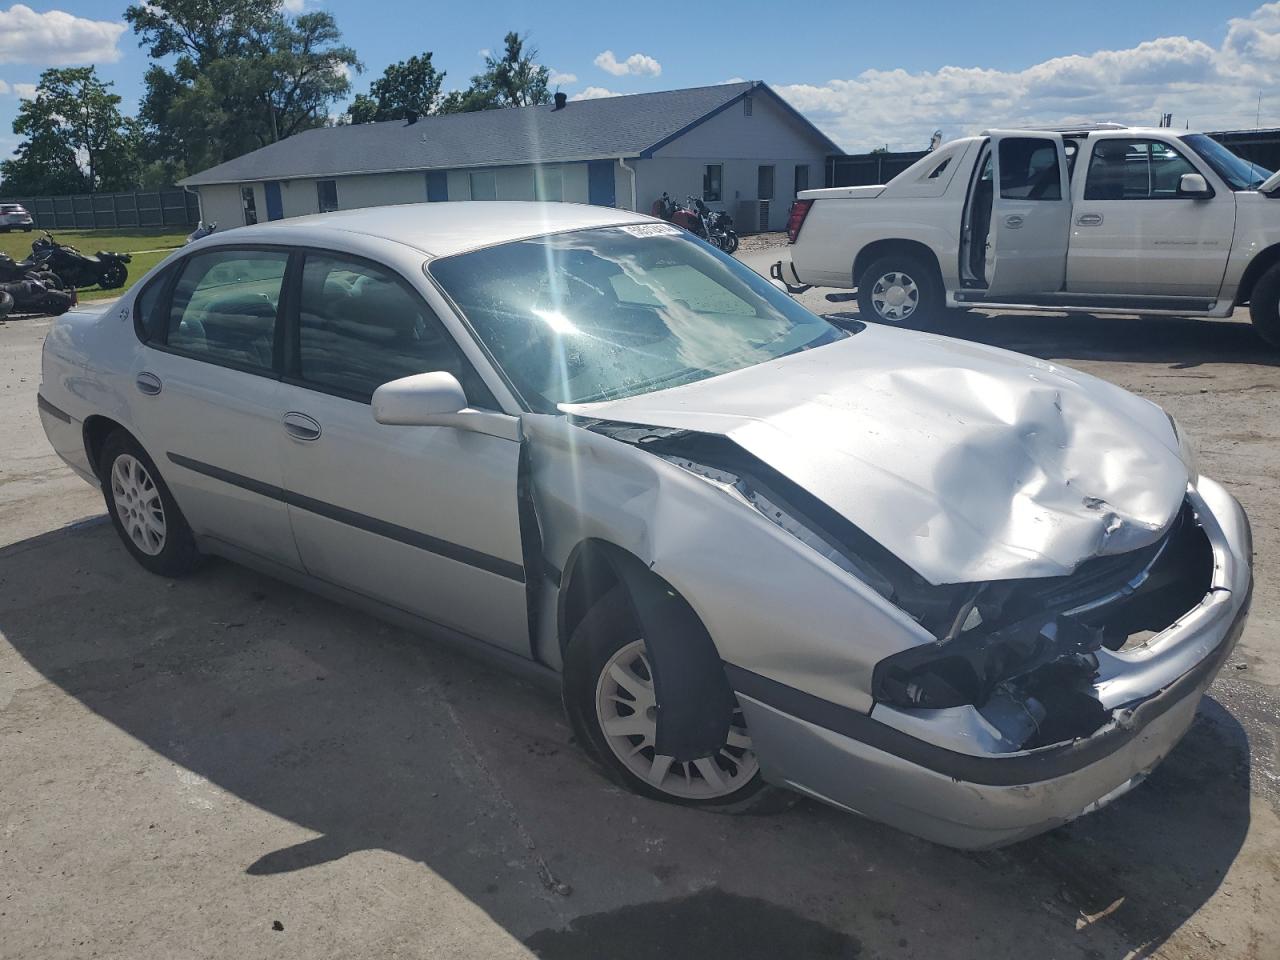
(1029,169)
(1135,170)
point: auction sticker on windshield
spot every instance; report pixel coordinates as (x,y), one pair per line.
(650,229)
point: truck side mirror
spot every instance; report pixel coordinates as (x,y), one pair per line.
(1194,187)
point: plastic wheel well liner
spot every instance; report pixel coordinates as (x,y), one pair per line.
(695,702)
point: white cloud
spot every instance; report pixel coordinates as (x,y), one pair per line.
(558,79)
(4,87)
(26,91)
(483,53)
(733,80)
(56,38)
(638,64)
(1211,87)
(594,93)
(293,6)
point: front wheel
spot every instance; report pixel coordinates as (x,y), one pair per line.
(1264,306)
(611,702)
(898,289)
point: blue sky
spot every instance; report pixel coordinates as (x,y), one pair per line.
(867,73)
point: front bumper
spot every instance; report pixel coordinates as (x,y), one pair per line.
(913,772)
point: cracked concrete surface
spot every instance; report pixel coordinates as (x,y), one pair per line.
(227,766)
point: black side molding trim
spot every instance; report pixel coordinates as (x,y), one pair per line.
(414,538)
(51,410)
(1044,763)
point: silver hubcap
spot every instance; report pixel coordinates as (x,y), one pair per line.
(138,504)
(628,710)
(895,296)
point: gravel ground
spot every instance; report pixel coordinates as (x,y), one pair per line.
(226,766)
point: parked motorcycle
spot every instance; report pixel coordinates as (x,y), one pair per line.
(105,269)
(12,270)
(37,293)
(714,226)
(201,231)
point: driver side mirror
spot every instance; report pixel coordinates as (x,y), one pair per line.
(437,400)
(1194,187)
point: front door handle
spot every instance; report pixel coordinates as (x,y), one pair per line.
(1088,219)
(301,427)
(148,383)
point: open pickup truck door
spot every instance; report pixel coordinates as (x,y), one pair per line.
(1018,215)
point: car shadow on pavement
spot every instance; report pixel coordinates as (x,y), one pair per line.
(1179,341)
(377,739)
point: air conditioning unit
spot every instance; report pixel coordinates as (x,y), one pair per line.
(752,216)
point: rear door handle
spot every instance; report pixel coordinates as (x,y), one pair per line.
(1088,219)
(148,383)
(1014,220)
(301,427)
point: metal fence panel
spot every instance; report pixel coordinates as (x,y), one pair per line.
(171,207)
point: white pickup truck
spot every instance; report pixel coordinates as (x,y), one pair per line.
(1104,219)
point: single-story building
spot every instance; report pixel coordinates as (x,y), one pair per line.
(739,146)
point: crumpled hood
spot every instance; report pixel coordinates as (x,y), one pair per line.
(967,462)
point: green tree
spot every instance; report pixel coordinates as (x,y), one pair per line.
(410,86)
(515,79)
(75,137)
(244,74)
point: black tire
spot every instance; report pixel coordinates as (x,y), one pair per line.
(929,299)
(114,275)
(1264,306)
(604,631)
(178,555)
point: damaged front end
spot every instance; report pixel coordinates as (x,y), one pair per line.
(1015,664)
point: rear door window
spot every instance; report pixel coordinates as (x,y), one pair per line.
(1029,169)
(224,307)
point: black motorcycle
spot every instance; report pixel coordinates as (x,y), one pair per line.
(106,269)
(11,270)
(36,293)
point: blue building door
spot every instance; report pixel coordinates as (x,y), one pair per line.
(275,209)
(600,183)
(437,185)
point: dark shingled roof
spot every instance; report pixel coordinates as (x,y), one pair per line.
(584,130)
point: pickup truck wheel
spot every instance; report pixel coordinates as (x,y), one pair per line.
(1264,306)
(897,289)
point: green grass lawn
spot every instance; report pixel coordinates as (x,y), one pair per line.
(121,240)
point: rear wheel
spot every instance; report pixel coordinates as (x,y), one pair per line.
(611,701)
(113,276)
(897,289)
(143,510)
(1264,306)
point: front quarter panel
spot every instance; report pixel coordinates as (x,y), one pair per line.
(771,604)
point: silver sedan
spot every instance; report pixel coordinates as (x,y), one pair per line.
(961,591)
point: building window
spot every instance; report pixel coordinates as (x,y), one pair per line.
(713,182)
(746,106)
(764,182)
(484,185)
(327,194)
(548,183)
(802,177)
(249,206)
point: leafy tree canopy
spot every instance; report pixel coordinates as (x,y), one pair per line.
(76,139)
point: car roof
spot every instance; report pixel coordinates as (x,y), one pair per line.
(441,229)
